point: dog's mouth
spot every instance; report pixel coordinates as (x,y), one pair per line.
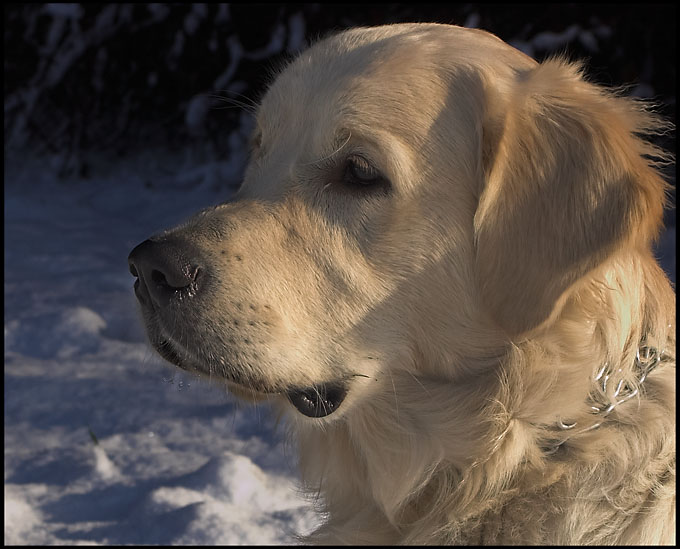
(165,349)
(319,400)
(316,401)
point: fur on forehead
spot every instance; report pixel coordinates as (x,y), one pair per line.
(356,67)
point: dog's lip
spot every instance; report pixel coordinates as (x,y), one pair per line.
(316,401)
(168,352)
(319,400)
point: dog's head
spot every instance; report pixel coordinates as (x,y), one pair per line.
(417,195)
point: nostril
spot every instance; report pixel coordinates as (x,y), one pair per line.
(177,279)
(184,279)
(167,270)
(158,277)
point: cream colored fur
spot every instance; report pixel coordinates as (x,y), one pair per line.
(470,305)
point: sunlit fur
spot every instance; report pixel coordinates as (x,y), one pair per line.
(469,308)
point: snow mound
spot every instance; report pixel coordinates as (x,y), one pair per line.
(64,334)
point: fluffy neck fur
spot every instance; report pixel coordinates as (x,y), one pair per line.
(433,461)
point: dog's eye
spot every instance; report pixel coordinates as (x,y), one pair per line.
(360,172)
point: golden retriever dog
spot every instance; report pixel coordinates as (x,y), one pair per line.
(439,267)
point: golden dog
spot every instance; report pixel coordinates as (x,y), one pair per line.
(439,266)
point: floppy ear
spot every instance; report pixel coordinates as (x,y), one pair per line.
(566,185)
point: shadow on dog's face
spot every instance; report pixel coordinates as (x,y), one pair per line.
(350,239)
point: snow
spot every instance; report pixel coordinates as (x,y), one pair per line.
(65,10)
(558,41)
(296,36)
(472,21)
(104,443)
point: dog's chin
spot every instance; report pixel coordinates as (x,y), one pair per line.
(167,351)
(319,400)
(316,401)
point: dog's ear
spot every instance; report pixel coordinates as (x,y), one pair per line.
(567,183)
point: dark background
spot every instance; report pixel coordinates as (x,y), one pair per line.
(107,78)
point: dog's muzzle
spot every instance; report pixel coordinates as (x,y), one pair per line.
(170,280)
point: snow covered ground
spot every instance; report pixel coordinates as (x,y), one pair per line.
(104,444)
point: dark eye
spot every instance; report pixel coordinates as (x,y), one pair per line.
(360,172)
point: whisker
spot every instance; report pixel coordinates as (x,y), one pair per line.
(419,383)
(246,103)
(394,392)
(336,151)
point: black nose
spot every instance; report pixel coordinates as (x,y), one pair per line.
(167,271)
